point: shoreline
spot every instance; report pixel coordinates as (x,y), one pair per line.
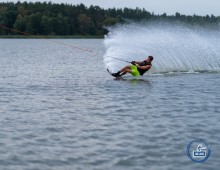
(50,37)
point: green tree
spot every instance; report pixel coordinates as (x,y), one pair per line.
(109,21)
(85,25)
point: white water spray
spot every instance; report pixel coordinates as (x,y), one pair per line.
(175,47)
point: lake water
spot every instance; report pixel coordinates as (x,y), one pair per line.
(60,109)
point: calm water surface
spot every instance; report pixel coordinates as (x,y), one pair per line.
(59,109)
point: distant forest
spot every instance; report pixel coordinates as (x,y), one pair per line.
(48,18)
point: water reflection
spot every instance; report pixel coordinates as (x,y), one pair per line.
(134,81)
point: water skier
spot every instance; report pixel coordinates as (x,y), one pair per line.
(136,68)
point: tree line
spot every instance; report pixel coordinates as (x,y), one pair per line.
(47,18)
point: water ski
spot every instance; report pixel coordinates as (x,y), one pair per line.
(112,74)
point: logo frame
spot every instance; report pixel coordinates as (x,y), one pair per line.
(207,155)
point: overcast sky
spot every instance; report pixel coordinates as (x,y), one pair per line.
(200,7)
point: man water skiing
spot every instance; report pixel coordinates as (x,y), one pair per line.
(136,68)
